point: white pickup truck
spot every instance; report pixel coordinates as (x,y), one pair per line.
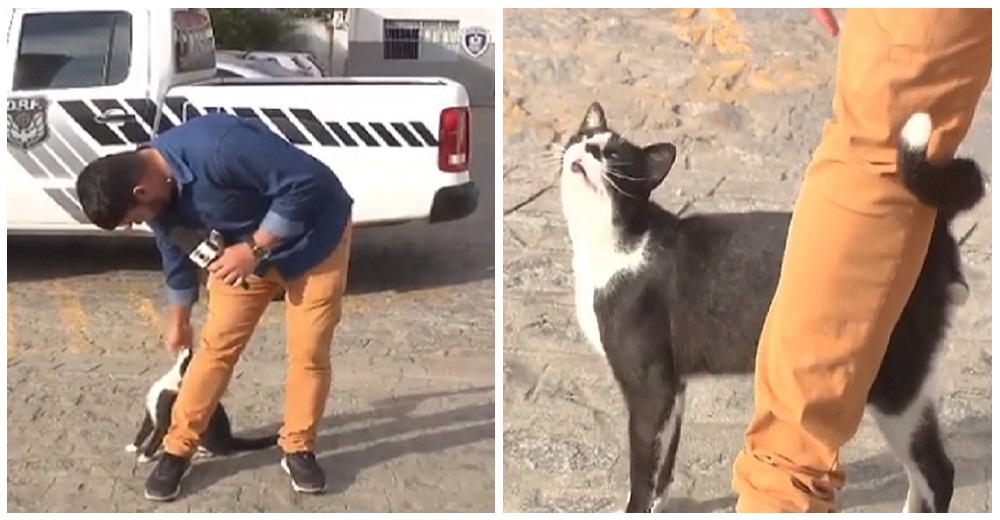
(89,82)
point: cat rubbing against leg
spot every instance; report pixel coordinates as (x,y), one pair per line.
(666,298)
(218,438)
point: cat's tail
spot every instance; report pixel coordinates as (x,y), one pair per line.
(951,187)
(252,443)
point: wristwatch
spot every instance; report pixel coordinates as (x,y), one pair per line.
(260,253)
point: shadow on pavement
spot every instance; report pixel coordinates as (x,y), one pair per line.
(381,259)
(346,453)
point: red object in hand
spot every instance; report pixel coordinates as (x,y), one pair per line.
(826,18)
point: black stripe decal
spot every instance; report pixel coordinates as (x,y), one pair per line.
(314,126)
(359,129)
(182,109)
(168,113)
(191,112)
(147,111)
(342,134)
(63,128)
(144,108)
(132,131)
(280,120)
(385,134)
(407,135)
(67,204)
(84,117)
(424,133)
(247,113)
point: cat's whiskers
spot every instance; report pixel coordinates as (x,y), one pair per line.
(553,156)
(619,175)
(618,162)
(551,160)
(604,173)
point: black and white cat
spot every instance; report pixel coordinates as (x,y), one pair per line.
(218,437)
(666,298)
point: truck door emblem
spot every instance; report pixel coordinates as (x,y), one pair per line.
(27,122)
(475,40)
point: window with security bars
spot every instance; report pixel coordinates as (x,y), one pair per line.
(424,40)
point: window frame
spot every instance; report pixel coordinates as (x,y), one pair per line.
(120,17)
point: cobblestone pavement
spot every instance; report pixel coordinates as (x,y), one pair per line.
(742,93)
(410,421)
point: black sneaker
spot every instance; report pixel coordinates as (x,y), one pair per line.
(164,483)
(307,476)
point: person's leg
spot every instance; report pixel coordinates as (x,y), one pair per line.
(312,313)
(233,313)
(855,247)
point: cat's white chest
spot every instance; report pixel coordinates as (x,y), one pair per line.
(170,381)
(585,314)
(594,270)
(598,260)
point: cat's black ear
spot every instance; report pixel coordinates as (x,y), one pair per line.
(659,159)
(594,120)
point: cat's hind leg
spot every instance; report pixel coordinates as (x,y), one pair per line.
(145,428)
(164,406)
(914,437)
(154,443)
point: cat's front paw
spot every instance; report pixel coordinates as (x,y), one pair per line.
(131,448)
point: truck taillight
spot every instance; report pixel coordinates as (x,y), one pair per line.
(453,141)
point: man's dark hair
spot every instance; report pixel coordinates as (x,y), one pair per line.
(105,188)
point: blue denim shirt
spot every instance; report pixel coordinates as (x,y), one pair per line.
(236,176)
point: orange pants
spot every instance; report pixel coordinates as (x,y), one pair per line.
(313,308)
(855,247)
